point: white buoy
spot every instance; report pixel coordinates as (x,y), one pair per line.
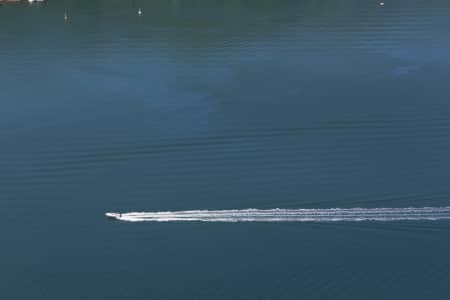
(381,3)
(66,17)
(139,12)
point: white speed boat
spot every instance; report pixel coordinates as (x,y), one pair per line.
(113,215)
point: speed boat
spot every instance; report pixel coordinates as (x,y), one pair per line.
(113,215)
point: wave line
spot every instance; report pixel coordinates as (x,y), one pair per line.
(289,215)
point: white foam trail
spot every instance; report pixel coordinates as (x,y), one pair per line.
(290,215)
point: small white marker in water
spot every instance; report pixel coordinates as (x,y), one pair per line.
(139,12)
(66,17)
(381,3)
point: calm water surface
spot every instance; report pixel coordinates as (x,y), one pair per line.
(222,105)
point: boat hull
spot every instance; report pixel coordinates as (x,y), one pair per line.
(112,215)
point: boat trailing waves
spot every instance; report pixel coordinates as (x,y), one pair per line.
(289,215)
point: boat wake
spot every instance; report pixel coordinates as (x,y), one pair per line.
(290,215)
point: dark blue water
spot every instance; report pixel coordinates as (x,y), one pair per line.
(222,105)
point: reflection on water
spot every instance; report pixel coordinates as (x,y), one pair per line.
(222,105)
